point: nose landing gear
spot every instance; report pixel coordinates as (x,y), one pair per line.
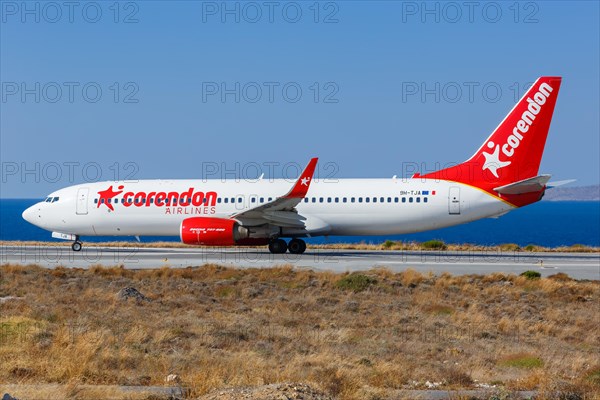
(76,246)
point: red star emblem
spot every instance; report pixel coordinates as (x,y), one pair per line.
(108,194)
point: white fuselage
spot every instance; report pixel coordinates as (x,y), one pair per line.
(343,207)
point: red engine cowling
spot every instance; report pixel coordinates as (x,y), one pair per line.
(217,232)
(208,231)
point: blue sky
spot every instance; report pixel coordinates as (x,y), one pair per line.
(137,87)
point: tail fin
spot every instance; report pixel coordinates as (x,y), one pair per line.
(513,152)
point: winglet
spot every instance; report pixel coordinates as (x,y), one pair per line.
(303,183)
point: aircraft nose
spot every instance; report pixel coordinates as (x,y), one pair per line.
(30,214)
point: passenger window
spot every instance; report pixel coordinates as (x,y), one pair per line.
(410,199)
(337,199)
(367,199)
(418,199)
(389,199)
(270,199)
(404,199)
(320,199)
(219,200)
(381,200)
(395,199)
(95,201)
(226,200)
(314,199)
(262,199)
(253,200)
(345,200)
(360,199)
(329,199)
(306,199)
(352,200)
(425,200)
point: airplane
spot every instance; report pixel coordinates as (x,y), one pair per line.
(500,176)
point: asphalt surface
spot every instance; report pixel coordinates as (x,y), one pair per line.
(576,265)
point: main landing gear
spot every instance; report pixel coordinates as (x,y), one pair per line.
(295,246)
(76,246)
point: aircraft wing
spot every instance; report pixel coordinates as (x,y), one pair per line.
(281,211)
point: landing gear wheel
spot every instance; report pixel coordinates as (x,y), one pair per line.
(76,246)
(278,246)
(297,246)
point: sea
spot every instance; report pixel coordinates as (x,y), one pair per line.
(546,223)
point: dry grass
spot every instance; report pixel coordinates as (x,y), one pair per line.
(217,327)
(432,245)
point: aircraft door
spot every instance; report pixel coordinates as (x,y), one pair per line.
(82,201)
(454,200)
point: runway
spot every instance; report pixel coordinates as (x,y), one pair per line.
(576,265)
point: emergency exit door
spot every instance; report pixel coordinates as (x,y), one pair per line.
(82,201)
(454,200)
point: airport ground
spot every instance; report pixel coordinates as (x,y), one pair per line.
(579,262)
(374,334)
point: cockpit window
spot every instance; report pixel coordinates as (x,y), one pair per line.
(48,199)
(55,199)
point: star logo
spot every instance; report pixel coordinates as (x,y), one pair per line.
(492,161)
(304,181)
(108,194)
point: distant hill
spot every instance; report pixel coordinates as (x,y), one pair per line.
(581,193)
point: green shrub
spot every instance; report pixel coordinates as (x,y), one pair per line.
(439,309)
(531,274)
(388,244)
(434,245)
(510,247)
(578,246)
(355,282)
(561,277)
(525,361)
(531,247)
(594,376)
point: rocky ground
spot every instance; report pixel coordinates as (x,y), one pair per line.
(216,332)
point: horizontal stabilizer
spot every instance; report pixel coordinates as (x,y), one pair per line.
(551,185)
(525,186)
